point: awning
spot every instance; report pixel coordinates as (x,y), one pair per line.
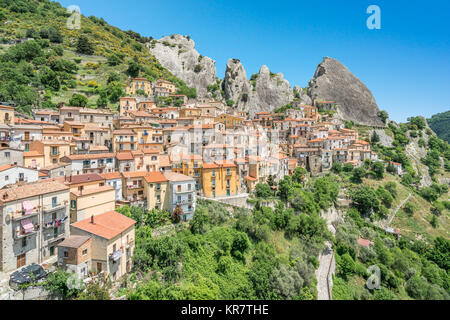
(27,207)
(116,255)
(27,225)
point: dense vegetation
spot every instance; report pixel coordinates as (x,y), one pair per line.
(58,63)
(440,123)
(261,254)
(408,269)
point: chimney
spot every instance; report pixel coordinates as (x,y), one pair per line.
(92,219)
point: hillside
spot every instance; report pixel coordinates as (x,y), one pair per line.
(95,60)
(440,124)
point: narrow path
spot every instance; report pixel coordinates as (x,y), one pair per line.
(392,216)
(323,273)
(327,264)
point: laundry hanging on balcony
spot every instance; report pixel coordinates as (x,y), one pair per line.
(27,207)
(27,225)
(116,255)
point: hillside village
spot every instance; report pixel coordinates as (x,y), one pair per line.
(154,173)
(63,170)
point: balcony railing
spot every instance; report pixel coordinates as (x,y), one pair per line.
(22,235)
(21,215)
(183,191)
(52,208)
(135,186)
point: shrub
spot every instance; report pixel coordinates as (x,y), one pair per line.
(409,208)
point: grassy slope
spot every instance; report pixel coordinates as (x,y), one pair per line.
(418,226)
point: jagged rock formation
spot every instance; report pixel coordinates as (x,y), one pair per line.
(265,92)
(302,95)
(235,84)
(177,53)
(333,81)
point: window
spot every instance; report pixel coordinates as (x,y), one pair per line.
(179,188)
(228,172)
(54,199)
(84,252)
(158,186)
(213,173)
(189,187)
(7,155)
(73,204)
(66,254)
(114,247)
(52,250)
(24,242)
(6,178)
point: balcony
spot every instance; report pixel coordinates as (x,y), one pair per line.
(55,208)
(57,238)
(22,215)
(21,235)
(134,187)
(183,191)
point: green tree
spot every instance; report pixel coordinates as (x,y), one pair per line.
(358,174)
(364,198)
(78,100)
(378,169)
(375,138)
(337,167)
(57,282)
(285,188)
(262,190)
(299,174)
(199,221)
(383,115)
(347,265)
(84,46)
(133,68)
(50,80)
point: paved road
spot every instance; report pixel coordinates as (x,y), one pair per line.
(327,263)
(324,284)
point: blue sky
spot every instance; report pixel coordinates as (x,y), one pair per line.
(406,64)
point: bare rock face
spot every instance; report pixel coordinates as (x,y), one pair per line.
(303,96)
(235,84)
(177,53)
(333,81)
(265,92)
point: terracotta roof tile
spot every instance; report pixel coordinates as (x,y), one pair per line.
(107,225)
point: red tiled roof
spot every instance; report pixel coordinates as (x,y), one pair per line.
(107,225)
